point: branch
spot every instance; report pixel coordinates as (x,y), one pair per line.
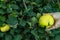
(24,4)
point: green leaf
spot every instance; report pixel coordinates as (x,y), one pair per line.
(26,31)
(17,37)
(34,32)
(8,37)
(29,12)
(9,10)
(55,32)
(29,23)
(20,13)
(57,37)
(2,18)
(38,15)
(14,13)
(2,5)
(18,0)
(34,19)
(22,22)
(14,6)
(1,23)
(12,20)
(2,11)
(12,32)
(2,34)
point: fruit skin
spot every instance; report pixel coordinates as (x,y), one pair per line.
(5,28)
(46,20)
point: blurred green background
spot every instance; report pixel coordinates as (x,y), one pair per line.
(23,17)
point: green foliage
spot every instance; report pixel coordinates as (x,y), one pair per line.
(23,17)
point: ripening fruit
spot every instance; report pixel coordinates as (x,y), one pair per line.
(46,20)
(5,28)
